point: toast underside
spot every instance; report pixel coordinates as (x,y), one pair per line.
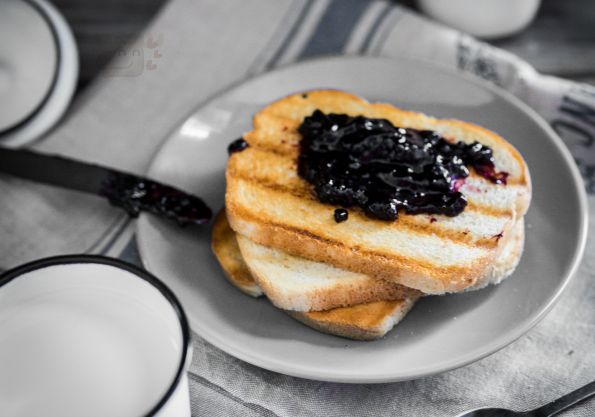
(268,203)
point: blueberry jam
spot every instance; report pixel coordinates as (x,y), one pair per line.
(135,194)
(237,145)
(358,161)
(341,215)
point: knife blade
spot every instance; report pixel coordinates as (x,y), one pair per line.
(127,191)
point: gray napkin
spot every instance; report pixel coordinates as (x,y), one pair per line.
(195,49)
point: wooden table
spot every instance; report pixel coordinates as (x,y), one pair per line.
(561,40)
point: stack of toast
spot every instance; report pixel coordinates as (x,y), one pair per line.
(358,278)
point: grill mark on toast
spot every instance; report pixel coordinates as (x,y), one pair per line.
(278,150)
(243,173)
(405,221)
(404,262)
(291,152)
(374,314)
(489,211)
(303,189)
(362,321)
(231,249)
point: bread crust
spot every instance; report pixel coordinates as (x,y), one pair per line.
(369,321)
(508,258)
(226,249)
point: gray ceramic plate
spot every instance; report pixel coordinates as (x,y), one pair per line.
(440,333)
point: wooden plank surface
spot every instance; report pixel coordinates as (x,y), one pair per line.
(561,40)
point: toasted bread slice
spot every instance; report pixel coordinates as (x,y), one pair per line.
(361,322)
(364,321)
(287,279)
(368,321)
(298,284)
(294,283)
(226,249)
(268,203)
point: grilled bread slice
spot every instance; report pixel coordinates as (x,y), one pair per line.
(226,249)
(367,321)
(293,283)
(298,284)
(268,203)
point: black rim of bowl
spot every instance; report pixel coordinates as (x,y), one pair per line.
(18,271)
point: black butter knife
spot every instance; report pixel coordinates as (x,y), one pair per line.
(127,191)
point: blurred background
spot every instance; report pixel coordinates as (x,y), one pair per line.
(559,41)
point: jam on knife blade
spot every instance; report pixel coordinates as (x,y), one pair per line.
(135,194)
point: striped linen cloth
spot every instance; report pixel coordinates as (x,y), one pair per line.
(196,48)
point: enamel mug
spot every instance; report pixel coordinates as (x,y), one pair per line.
(89,336)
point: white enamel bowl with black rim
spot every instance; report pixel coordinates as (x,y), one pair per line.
(440,333)
(39,66)
(91,336)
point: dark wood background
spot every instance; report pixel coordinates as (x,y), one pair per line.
(561,40)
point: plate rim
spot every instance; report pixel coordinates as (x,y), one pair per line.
(500,342)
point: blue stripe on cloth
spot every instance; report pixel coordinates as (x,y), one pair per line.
(273,46)
(375,26)
(288,38)
(130,252)
(335,27)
